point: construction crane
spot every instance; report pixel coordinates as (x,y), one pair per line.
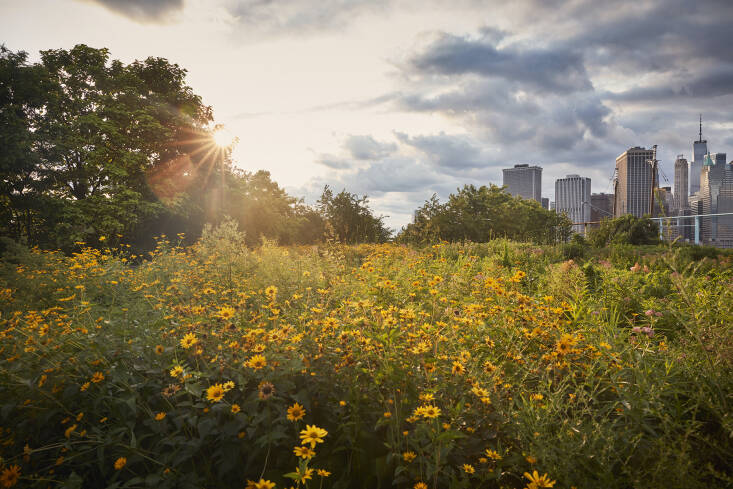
(654,165)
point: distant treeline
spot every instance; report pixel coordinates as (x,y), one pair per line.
(95,151)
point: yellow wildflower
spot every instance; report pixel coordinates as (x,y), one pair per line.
(215,393)
(256,362)
(537,481)
(296,412)
(10,476)
(312,435)
(189,340)
(304,452)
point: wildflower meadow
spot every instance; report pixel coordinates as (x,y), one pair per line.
(496,365)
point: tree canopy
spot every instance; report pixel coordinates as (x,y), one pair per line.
(626,229)
(83,133)
(350,218)
(480,213)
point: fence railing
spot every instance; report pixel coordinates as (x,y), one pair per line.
(716,229)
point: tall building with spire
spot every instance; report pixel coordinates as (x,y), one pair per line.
(699,150)
(681,183)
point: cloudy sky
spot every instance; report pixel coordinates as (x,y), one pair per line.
(405,98)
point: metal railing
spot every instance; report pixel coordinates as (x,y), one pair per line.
(674,227)
(688,228)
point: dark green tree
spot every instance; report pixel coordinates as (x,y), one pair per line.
(351,219)
(479,214)
(23,90)
(87,140)
(626,229)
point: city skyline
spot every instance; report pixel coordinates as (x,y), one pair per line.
(398,103)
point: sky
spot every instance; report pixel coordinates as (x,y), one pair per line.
(403,99)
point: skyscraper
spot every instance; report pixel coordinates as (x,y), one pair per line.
(681,183)
(572,196)
(716,196)
(524,181)
(699,150)
(635,181)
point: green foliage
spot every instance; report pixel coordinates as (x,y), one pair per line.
(350,219)
(86,133)
(481,214)
(626,229)
(600,375)
(576,249)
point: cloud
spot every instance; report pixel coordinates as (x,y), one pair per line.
(333,162)
(144,11)
(545,69)
(452,153)
(503,116)
(368,148)
(300,16)
(657,35)
(713,82)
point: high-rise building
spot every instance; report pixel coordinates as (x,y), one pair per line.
(572,197)
(524,181)
(601,207)
(718,158)
(635,181)
(545,203)
(681,183)
(716,196)
(699,150)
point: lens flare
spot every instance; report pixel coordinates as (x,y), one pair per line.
(223,138)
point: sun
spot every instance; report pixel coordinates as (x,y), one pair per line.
(223,138)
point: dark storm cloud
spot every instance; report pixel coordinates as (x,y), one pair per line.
(143,10)
(368,148)
(544,69)
(712,82)
(656,35)
(506,117)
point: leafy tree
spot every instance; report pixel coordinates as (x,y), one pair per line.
(626,229)
(263,209)
(87,132)
(351,219)
(22,93)
(479,214)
